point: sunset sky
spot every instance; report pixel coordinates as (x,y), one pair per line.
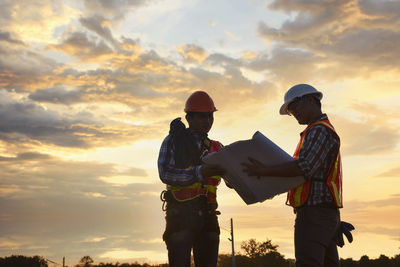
(88,89)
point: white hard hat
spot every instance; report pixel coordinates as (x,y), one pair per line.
(296,91)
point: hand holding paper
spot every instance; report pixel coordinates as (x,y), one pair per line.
(285,169)
(254,168)
(208,170)
(260,149)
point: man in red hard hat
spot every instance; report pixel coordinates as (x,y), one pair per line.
(191,215)
(317,201)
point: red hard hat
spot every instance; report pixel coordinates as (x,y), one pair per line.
(199,101)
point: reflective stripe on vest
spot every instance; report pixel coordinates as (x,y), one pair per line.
(209,188)
(298,196)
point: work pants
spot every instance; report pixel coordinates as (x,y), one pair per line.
(315,234)
(191,225)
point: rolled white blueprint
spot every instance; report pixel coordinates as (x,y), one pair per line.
(252,189)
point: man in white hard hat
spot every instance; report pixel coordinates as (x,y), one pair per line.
(317,201)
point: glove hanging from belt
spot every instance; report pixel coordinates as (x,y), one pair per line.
(345,228)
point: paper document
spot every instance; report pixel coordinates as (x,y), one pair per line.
(251,189)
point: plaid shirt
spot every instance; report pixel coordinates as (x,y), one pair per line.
(320,149)
(175,176)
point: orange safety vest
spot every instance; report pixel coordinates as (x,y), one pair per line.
(299,195)
(208,188)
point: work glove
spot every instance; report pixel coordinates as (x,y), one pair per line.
(345,228)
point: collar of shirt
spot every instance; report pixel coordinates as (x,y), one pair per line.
(322,117)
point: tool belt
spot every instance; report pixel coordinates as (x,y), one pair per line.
(196,205)
(322,205)
(193,215)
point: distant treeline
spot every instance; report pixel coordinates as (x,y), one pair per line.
(23,261)
(225,260)
(273,261)
(256,254)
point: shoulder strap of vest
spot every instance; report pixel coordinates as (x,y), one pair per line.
(208,143)
(327,124)
(215,146)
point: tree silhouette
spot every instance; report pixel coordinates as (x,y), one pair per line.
(257,254)
(86,261)
(23,261)
(254,249)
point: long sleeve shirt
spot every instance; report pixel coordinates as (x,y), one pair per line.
(320,149)
(176,176)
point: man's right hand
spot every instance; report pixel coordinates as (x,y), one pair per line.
(208,170)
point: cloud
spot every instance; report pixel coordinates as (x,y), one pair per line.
(98,24)
(72,220)
(6,9)
(146,84)
(287,65)
(113,9)
(75,205)
(33,21)
(193,53)
(48,172)
(6,36)
(144,81)
(57,95)
(338,30)
(129,44)
(393,200)
(394,172)
(21,66)
(27,156)
(355,136)
(379,216)
(151,84)
(232,36)
(386,231)
(24,121)
(219,59)
(375,126)
(82,46)
(313,19)
(233,81)
(378,47)
(386,9)
(304,5)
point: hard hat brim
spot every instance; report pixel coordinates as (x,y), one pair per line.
(200,110)
(284,108)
